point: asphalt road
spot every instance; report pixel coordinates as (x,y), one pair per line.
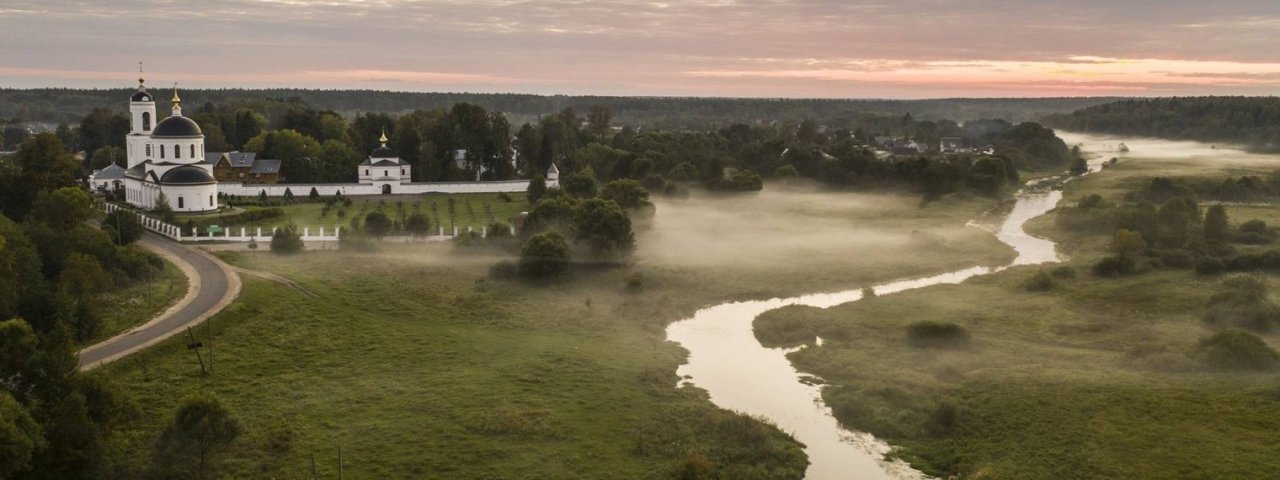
(215,286)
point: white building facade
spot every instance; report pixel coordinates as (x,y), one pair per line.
(166,159)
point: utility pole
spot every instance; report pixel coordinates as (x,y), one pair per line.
(194,345)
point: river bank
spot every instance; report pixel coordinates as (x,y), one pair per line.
(1087,378)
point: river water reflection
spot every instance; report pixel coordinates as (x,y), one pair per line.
(727,361)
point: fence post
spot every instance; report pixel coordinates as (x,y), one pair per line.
(259,231)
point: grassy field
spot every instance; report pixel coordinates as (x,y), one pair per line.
(1090,379)
(136,304)
(417,368)
(470,209)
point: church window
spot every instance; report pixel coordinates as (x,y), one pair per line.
(148,149)
(210,200)
(162,151)
(177,152)
(179,202)
(193,150)
(385,174)
(146,121)
(402,171)
(366,172)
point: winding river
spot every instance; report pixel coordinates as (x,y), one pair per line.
(727,361)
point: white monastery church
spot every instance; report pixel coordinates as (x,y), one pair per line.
(166,160)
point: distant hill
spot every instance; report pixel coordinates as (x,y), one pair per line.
(1250,121)
(54,105)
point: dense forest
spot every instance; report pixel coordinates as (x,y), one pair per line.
(1250,121)
(56,268)
(466,142)
(58,105)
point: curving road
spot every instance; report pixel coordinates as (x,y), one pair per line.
(211,286)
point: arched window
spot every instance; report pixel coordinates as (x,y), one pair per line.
(193,150)
(179,202)
(162,151)
(366,172)
(210,200)
(177,152)
(148,149)
(146,121)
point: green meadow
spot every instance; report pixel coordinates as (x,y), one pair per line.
(1089,378)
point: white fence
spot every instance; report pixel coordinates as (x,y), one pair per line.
(349,189)
(247,234)
(242,234)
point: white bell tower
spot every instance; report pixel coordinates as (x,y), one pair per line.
(142,117)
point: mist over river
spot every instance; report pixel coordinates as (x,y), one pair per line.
(727,361)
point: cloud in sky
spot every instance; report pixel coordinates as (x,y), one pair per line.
(797,48)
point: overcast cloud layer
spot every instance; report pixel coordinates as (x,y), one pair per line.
(757,48)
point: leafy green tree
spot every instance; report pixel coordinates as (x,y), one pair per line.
(18,345)
(550,214)
(287,240)
(537,188)
(987,176)
(164,211)
(1216,229)
(599,122)
(74,443)
(377,224)
(1128,243)
(417,224)
(106,156)
(605,228)
(62,209)
(80,285)
(627,193)
(581,184)
(20,437)
(46,161)
(200,431)
(544,256)
(298,154)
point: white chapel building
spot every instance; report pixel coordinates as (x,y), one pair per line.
(166,159)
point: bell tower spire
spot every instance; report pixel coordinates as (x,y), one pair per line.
(177,102)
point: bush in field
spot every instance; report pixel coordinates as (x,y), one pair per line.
(497,230)
(504,270)
(1111,267)
(1209,266)
(1177,259)
(286,240)
(377,224)
(1235,350)
(1242,302)
(1128,243)
(1254,232)
(1039,282)
(1064,273)
(928,334)
(605,228)
(201,430)
(417,225)
(545,255)
(1216,229)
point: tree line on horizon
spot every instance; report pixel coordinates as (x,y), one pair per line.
(1250,121)
(59,105)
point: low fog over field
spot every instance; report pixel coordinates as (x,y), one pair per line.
(851,235)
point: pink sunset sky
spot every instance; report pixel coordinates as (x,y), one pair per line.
(746,48)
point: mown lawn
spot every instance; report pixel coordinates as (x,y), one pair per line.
(1090,379)
(470,209)
(417,368)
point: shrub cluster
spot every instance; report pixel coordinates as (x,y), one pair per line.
(940,335)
